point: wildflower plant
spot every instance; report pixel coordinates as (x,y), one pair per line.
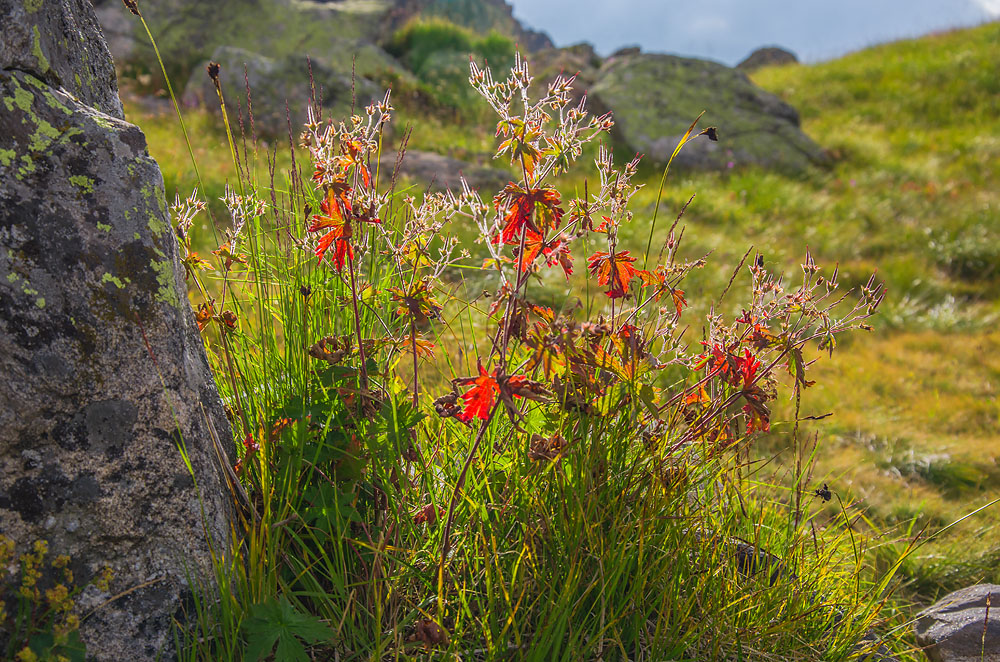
(578,487)
(39,618)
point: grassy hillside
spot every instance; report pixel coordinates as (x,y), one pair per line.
(914,128)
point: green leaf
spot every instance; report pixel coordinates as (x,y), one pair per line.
(648,397)
(279,622)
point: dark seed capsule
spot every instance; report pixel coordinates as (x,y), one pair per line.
(213,71)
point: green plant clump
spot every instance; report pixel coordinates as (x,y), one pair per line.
(438,51)
(440,458)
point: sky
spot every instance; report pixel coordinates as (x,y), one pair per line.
(729,30)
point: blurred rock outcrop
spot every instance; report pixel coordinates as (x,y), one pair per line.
(655,98)
(767,57)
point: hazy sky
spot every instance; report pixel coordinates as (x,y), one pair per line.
(728,30)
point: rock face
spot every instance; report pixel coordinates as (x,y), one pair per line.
(104,374)
(767,57)
(953,629)
(656,97)
(273,83)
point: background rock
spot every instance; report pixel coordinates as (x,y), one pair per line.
(952,629)
(273,83)
(339,33)
(442,172)
(90,292)
(767,57)
(480,16)
(578,60)
(655,98)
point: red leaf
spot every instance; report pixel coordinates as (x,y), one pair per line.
(479,399)
(535,209)
(615,271)
(679,300)
(748,366)
(342,249)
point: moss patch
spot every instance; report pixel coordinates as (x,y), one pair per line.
(36,50)
(85,184)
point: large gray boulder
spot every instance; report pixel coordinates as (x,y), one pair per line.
(187,32)
(958,629)
(655,98)
(105,381)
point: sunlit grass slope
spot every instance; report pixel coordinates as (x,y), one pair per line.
(914,190)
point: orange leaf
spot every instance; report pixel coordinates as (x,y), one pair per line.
(534,209)
(615,271)
(479,399)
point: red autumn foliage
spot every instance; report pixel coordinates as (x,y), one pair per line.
(534,209)
(614,270)
(478,401)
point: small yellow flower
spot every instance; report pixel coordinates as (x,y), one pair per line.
(103,581)
(27,655)
(58,597)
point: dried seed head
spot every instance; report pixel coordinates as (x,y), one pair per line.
(213,72)
(132,6)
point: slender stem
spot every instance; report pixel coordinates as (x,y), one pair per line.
(357,327)
(446,536)
(413,346)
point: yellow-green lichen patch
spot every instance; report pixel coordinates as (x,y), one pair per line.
(105,227)
(40,302)
(43,136)
(108,278)
(154,195)
(104,122)
(7,157)
(36,50)
(32,5)
(46,92)
(22,98)
(85,184)
(166,292)
(12,277)
(27,168)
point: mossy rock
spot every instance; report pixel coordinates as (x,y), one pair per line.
(578,60)
(480,16)
(341,33)
(655,98)
(768,56)
(188,32)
